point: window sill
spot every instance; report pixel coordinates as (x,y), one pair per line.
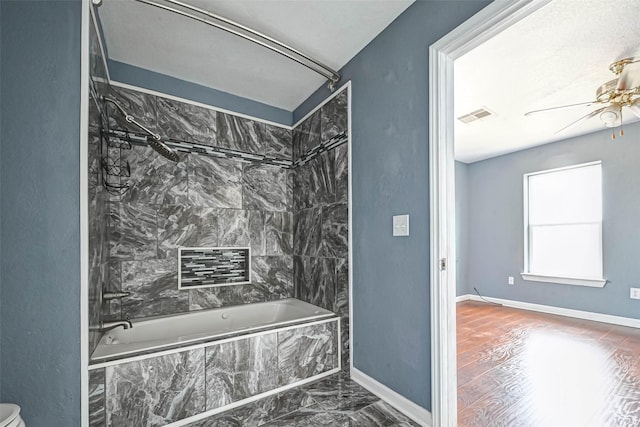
(594,283)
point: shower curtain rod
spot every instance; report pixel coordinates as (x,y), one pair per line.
(251,35)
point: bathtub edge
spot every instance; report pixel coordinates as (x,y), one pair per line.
(137,358)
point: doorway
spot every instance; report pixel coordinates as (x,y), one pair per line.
(483,26)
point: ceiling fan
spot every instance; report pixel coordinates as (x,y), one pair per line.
(616,94)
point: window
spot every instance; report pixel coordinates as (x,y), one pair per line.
(563,225)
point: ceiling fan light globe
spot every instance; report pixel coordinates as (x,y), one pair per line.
(609,117)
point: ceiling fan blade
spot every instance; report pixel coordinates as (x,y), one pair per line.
(560,107)
(635,108)
(585,117)
(630,76)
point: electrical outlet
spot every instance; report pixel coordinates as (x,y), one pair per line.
(635,293)
(511,281)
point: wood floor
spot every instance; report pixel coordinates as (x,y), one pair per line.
(522,368)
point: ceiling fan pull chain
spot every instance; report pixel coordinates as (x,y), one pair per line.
(620,126)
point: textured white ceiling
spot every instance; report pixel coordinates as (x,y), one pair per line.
(559,55)
(329,30)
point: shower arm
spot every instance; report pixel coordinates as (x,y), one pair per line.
(130,119)
(253,36)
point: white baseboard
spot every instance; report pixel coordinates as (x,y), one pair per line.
(416,412)
(578,314)
(463,298)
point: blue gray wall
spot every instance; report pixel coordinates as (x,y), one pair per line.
(462,229)
(1,138)
(391,312)
(39,182)
(140,77)
(496,236)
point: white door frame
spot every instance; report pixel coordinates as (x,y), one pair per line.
(493,19)
(84,213)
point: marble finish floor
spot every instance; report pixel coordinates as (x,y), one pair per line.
(333,401)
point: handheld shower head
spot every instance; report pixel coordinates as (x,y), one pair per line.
(152,139)
(163,149)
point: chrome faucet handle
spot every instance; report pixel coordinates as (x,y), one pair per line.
(106,296)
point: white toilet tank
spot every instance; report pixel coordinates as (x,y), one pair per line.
(10,415)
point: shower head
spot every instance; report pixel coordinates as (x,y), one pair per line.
(163,149)
(153,140)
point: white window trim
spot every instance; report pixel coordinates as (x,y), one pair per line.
(533,277)
(594,283)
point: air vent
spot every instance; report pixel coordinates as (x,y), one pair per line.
(479,114)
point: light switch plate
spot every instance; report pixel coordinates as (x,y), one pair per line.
(401,225)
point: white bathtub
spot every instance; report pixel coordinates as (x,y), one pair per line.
(204,325)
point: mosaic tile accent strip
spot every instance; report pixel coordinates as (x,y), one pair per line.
(136,138)
(323,147)
(204,267)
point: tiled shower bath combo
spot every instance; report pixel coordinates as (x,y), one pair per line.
(276,195)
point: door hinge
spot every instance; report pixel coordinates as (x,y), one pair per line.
(443,264)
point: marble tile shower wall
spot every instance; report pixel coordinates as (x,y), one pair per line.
(321,214)
(199,201)
(295,221)
(97,197)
